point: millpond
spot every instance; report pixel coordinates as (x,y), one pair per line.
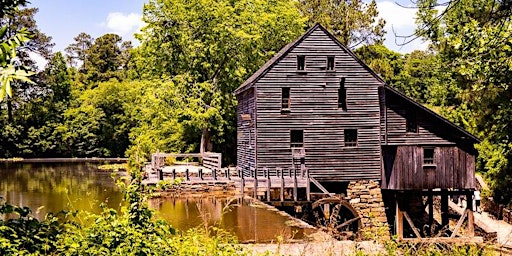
(52,187)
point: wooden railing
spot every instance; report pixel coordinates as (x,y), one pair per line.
(210,160)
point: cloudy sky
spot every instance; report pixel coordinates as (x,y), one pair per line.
(64,19)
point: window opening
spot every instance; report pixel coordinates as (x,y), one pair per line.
(350,137)
(285,98)
(342,95)
(296,138)
(301,62)
(428,156)
(330,62)
(411,124)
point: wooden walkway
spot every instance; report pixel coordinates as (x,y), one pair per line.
(285,184)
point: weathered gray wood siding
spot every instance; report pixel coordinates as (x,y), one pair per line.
(405,170)
(431,131)
(314,109)
(246,131)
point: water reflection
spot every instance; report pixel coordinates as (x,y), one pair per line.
(247,222)
(55,187)
(78,186)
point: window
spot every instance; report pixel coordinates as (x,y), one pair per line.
(296,138)
(428,155)
(350,137)
(342,95)
(301,62)
(285,98)
(411,124)
(330,62)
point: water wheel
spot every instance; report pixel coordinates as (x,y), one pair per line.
(336,217)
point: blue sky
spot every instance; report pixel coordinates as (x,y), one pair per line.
(64,19)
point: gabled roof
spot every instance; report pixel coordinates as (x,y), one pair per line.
(432,113)
(289,47)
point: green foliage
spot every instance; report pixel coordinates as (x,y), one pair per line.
(353,22)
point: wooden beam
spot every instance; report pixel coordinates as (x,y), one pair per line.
(399,220)
(430,202)
(348,222)
(471,218)
(459,223)
(444,209)
(409,220)
(463,240)
(281,196)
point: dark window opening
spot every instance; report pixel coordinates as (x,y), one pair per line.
(411,124)
(428,156)
(296,138)
(301,62)
(342,95)
(285,98)
(330,62)
(350,137)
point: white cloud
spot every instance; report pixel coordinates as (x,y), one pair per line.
(39,60)
(124,24)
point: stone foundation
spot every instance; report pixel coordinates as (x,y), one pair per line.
(366,198)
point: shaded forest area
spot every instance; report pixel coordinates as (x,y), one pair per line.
(103,97)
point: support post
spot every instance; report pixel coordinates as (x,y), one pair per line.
(214,173)
(399,219)
(295,196)
(430,202)
(201,173)
(242,184)
(160,174)
(471,217)
(281,194)
(187,174)
(444,208)
(267,174)
(308,186)
(228,174)
(255,184)
(173,174)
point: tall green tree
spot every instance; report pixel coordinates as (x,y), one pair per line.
(353,22)
(76,52)
(105,59)
(213,46)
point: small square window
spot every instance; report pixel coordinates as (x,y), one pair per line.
(428,156)
(330,63)
(350,137)
(301,62)
(297,138)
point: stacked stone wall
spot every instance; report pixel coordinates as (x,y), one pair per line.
(366,198)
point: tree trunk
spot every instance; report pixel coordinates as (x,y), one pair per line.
(206,143)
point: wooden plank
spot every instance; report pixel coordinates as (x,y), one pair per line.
(459,223)
(399,220)
(411,224)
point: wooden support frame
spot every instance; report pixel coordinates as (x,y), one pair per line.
(409,220)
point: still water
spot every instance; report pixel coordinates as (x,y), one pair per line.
(79,186)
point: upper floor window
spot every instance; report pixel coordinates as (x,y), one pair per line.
(350,137)
(285,98)
(330,63)
(411,123)
(297,138)
(342,95)
(301,62)
(428,155)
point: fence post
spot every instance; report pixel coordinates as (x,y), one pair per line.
(160,174)
(281,173)
(214,173)
(186,174)
(255,183)
(201,173)
(173,174)
(242,184)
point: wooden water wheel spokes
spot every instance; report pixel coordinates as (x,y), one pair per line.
(336,217)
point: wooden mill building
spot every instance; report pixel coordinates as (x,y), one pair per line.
(315,104)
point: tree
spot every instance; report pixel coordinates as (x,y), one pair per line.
(105,59)
(212,46)
(77,52)
(353,22)
(473,39)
